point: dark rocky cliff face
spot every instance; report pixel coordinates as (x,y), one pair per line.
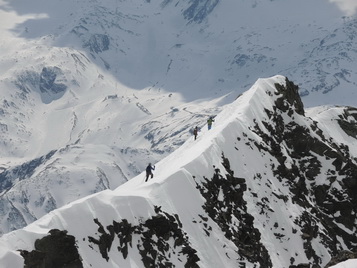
(57,250)
(348,126)
(154,235)
(332,203)
(230,207)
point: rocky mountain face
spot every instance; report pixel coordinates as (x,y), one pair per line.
(93,91)
(271,185)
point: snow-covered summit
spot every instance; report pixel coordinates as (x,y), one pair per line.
(91,91)
(267,186)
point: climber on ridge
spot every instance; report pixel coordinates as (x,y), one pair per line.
(149,170)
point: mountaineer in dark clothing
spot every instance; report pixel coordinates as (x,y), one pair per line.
(195,132)
(149,170)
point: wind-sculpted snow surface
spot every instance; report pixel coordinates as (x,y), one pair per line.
(112,85)
(270,185)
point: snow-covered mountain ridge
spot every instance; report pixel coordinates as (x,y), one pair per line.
(91,91)
(271,185)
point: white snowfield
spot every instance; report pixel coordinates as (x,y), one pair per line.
(138,76)
(346,264)
(173,188)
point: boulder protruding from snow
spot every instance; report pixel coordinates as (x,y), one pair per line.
(56,250)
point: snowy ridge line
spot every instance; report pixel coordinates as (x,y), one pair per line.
(171,174)
(161,60)
(242,193)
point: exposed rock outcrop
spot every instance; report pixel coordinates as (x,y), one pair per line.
(52,80)
(154,235)
(226,206)
(56,250)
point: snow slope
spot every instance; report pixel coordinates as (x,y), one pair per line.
(346,264)
(238,194)
(91,91)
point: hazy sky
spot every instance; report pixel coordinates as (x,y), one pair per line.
(349,7)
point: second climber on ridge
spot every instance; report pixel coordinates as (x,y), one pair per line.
(209,122)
